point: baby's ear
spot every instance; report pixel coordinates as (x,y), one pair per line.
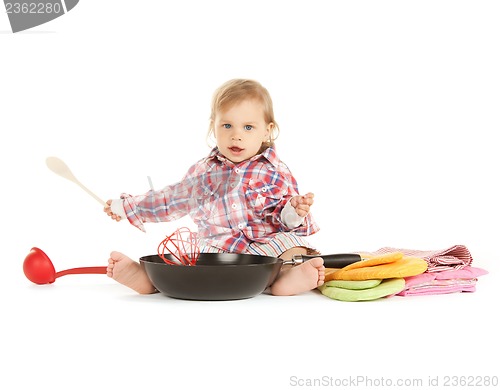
(269,130)
(211,127)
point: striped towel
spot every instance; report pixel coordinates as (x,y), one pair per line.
(456,257)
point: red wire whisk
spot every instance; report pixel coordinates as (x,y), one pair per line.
(182,245)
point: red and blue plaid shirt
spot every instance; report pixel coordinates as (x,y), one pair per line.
(232,205)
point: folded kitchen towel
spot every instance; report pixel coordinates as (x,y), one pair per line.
(436,286)
(463,273)
(455,257)
(383,289)
(354,284)
(444,282)
(368,261)
(407,266)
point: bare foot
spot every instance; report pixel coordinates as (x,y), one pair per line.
(129,273)
(301,278)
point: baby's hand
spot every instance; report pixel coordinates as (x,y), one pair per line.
(302,203)
(107,210)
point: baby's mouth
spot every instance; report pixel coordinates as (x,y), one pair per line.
(235,149)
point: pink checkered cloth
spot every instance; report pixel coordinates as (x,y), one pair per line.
(455,257)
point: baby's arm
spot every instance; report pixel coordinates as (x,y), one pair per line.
(296,209)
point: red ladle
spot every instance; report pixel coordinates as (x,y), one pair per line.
(39,269)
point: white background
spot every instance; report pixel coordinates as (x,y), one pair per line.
(388,112)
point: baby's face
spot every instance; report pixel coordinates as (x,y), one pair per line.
(241,129)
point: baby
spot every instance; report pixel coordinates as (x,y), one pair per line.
(242,197)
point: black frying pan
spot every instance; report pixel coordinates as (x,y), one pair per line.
(226,276)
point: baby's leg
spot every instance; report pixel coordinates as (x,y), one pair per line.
(301,278)
(129,273)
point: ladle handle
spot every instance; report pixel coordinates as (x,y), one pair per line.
(82,270)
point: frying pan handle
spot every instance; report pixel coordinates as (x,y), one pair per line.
(339,260)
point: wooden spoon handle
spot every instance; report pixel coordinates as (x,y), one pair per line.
(89,192)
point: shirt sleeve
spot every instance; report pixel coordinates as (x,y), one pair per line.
(117,208)
(307,225)
(290,217)
(168,204)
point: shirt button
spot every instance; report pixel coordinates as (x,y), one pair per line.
(237,170)
(232,185)
(234,206)
(241,226)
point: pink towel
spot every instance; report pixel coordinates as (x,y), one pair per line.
(444,282)
(442,287)
(456,257)
(464,273)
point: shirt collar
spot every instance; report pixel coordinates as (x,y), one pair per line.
(268,154)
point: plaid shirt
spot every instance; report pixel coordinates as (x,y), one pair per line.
(232,205)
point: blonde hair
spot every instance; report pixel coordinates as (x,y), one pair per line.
(237,90)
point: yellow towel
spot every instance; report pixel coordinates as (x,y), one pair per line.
(369,261)
(391,265)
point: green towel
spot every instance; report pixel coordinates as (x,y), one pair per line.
(354,284)
(356,293)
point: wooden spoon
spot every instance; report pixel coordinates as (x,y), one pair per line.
(59,167)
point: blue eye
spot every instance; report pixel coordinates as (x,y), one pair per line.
(226,126)
(248,127)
